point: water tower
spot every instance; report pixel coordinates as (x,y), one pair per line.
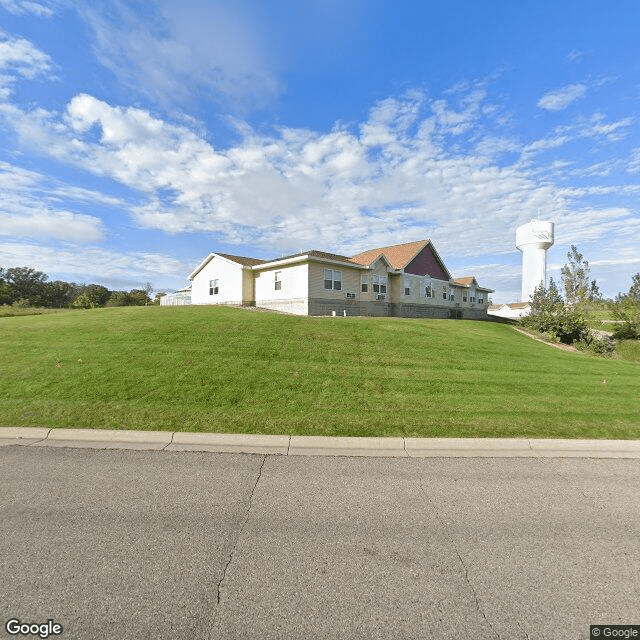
(533,239)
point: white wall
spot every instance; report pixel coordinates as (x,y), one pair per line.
(229,276)
(293,294)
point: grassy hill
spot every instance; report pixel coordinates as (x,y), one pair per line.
(229,370)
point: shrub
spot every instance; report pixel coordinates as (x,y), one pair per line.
(549,315)
(627,310)
(600,345)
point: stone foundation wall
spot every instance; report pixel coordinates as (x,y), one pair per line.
(406,310)
(297,306)
(325,307)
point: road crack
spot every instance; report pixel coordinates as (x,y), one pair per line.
(475,595)
(462,563)
(244,524)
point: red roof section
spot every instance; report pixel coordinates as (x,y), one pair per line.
(466,281)
(398,255)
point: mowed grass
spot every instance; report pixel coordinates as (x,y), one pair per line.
(221,369)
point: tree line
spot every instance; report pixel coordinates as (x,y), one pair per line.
(24,286)
(565,317)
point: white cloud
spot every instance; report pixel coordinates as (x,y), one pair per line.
(61,225)
(562,98)
(576,55)
(20,58)
(217,47)
(97,264)
(393,178)
(30,208)
(19,7)
(633,165)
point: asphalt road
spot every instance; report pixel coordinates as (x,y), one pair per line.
(126,544)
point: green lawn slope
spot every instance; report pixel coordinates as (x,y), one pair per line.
(220,369)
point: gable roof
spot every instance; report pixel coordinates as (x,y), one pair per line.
(398,255)
(241,260)
(315,254)
(467,281)
(247,262)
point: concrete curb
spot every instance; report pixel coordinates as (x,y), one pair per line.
(320,445)
(328,446)
(229,443)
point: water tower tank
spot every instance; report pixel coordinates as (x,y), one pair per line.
(533,239)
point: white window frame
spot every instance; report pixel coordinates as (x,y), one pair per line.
(334,277)
(278,281)
(407,286)
(381,283)
(213,287)
(364,283)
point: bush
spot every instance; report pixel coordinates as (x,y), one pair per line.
(549,315)
(598,345)
(627,310)
(22,303)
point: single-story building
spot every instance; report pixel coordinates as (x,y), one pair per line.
(408,280)
(510,310)
(177,299)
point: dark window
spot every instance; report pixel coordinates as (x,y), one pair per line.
(328,279)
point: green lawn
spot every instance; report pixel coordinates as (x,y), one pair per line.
(229,370)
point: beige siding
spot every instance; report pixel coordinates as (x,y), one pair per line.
(379,268)
(350,282)
(248,286)
(229,276)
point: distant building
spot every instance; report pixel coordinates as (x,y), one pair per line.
(179,298)
(510,310)
(407,280)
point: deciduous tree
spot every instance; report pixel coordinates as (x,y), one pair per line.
(575,279)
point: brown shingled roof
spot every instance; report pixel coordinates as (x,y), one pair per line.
(399,255)
(247,262)
(315,254)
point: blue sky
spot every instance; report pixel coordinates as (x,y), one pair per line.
(137,137)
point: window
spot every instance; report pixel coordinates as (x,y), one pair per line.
(278,280)
(464,296)
(472,298)
(333,279)
(213,287)
(379,284)
(481,300)
(428,291)
(407,287)
(365,284)
(452,297)
(444,292)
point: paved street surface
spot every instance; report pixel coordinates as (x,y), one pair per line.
(122,544)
